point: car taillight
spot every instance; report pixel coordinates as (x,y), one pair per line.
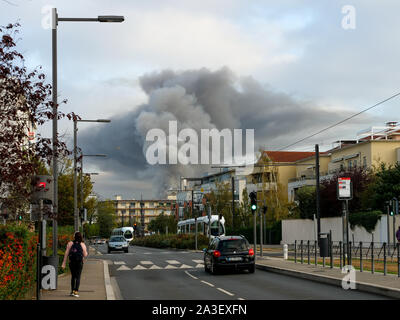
(217,254)
(251,252)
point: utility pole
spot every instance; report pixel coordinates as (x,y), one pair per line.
(233,202)
(317,189)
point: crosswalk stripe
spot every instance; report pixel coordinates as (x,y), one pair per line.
(185,266)
(155,267)
(146,262)
(198,261)
(170,267)
(122,268)
(200,265)
(172,261)
(139,267)
(119,262)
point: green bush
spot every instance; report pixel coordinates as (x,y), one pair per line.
(176,241)
(367,219)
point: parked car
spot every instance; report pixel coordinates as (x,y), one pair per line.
(229,252)
(117,243)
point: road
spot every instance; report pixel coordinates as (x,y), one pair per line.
(162,274)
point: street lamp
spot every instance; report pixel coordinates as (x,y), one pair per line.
(76,217)
(76,225)
(55,20)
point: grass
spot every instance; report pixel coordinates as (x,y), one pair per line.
(391,267)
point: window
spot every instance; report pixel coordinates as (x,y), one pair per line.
(350,164)
(364,162)
(355,163)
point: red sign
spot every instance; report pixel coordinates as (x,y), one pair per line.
(41,185)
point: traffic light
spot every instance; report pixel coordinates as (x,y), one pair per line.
(42,187)
(253,201)
(134,227)
(265,209)
(395,206)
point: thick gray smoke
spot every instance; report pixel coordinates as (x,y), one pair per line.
(199,99)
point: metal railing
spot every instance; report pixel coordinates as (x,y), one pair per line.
(372,257)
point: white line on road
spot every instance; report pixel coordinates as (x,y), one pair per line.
(191,275)
(226,292)
(146,262)
(207,283)
(198,261)
(173,261)
(241,299)
(119,262)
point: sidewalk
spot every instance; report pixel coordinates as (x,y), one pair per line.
(377,283)
(92,285)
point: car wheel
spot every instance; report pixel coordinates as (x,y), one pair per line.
(252,269)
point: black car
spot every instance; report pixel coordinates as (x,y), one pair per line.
(229,252)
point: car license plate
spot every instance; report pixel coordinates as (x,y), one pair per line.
(235,259)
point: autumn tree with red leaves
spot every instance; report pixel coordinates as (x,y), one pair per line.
(25,104)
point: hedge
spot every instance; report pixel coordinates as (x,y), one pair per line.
(176,241)
(367,219)
(17,262)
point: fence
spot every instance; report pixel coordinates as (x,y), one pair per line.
(373,256)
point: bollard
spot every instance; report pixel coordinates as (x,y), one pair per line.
(384,258)
(331,248)
(350,247)
(285,251)
(295,251)
(340,254)
(38,271)
(361,259)
(372,258)
(315,252)
(398,259)
(301,251)
(308,251)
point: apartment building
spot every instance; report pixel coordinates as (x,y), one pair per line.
(129,211)
(372,146)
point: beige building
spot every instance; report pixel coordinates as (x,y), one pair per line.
(128,212)
(372,146)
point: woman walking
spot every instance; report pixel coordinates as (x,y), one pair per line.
(76,251)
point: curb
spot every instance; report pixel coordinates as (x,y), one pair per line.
(361,286)
(107,282)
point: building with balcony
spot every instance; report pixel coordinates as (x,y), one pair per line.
(128,212)
(372,146)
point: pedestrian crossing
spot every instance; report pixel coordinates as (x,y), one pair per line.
(149,265)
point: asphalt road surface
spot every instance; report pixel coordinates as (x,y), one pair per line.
(165,274)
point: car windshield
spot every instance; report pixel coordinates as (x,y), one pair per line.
(232,245)
(117,239)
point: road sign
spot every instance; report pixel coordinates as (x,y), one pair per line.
(345,190)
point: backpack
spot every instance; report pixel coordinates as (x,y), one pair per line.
(76,252)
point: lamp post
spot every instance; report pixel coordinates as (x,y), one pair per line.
(55,20)
(76,218)
(76,215)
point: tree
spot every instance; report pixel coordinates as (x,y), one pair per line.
(106,217)
(24,105)
(161,222)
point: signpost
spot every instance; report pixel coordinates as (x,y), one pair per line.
(345,193)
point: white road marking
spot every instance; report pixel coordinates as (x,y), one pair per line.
(139,267)
(119,262)
(241,299)
(185,266)
(226,292)
(200,266)
(170,267)
(155,267)
(198,261)
(172,261)
(146,262)
(122,268)
(207,283)
(191,275)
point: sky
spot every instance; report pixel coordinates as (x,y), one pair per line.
(284,68)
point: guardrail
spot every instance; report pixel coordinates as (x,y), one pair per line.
(373,256)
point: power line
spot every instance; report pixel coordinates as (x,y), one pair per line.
(340,122)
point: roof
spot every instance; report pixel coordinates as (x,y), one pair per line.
(288,156)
